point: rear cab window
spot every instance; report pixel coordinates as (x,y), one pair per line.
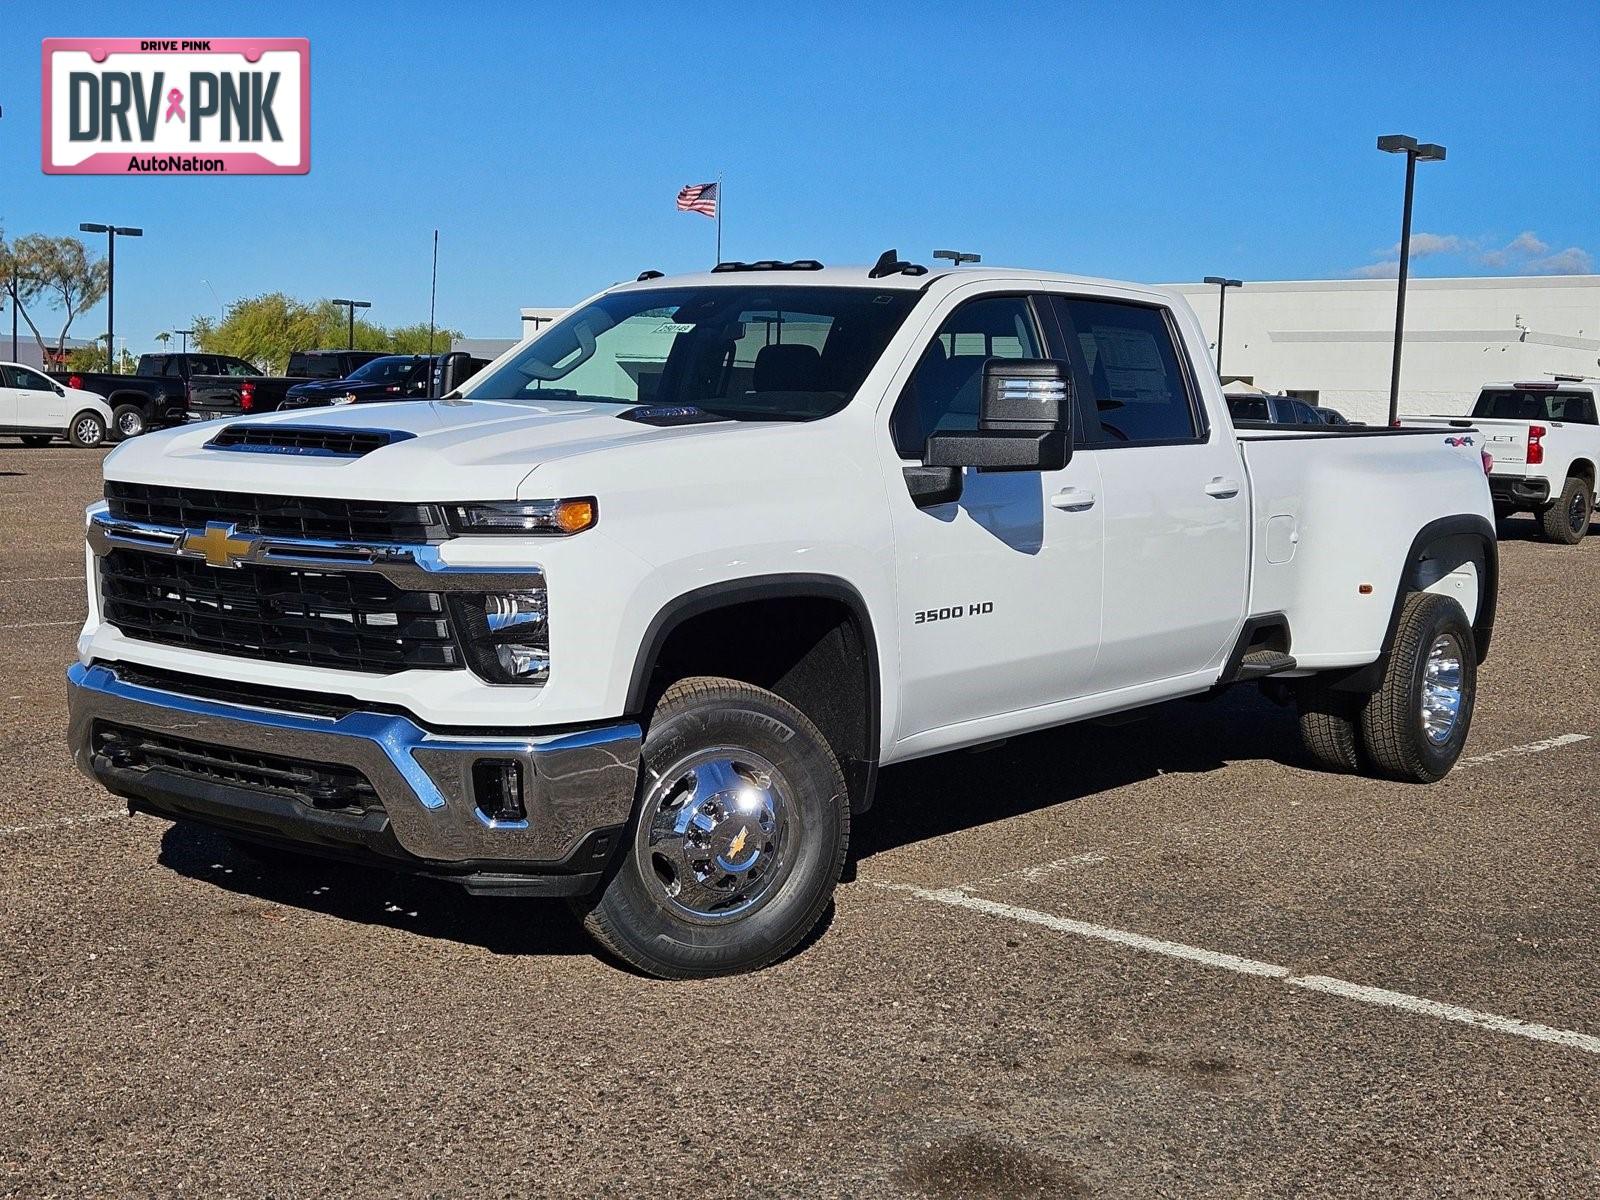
(1132,379)
(1536,404)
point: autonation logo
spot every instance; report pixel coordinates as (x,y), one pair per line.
(157,106)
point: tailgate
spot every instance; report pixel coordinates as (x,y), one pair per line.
(1507,441)
(219,396)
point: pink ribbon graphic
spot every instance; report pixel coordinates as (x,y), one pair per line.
(175,105)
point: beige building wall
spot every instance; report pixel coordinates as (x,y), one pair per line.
(1335,337)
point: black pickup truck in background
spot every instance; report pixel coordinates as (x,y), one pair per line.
(392,377)
(227,395)
(156,394)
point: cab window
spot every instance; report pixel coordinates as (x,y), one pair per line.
(946,387)
(1129,372)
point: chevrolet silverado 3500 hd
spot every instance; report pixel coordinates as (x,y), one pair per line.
(635,618)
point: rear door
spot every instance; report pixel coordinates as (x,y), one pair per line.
(1173,487)
(8,400)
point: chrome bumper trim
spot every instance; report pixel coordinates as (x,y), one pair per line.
(573,783)
(413,568)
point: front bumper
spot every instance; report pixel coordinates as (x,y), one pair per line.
(577,787)
(1519,490)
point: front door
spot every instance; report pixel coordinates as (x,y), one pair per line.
(8,400)
(38,404)
(1175,501)
(1000,590)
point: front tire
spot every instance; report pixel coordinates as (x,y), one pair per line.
(1567,520)
(87,430)
(128,421)
(1414,726)
(740,835)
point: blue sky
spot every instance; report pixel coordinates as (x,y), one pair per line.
(1157,141)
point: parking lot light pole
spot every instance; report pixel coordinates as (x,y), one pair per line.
(352,305)
(184,333)
(958,257)
(1223,284)
(1399,143)
(111,232)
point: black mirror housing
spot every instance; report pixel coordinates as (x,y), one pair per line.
(1023,422)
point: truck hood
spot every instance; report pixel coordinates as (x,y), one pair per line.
(446,449)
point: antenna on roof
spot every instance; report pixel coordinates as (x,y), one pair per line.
(890,263)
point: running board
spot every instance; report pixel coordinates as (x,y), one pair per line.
(1263,662)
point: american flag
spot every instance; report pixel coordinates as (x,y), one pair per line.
(700,198)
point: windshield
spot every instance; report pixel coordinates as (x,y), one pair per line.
(750,353)
(384,370)
(1550,405)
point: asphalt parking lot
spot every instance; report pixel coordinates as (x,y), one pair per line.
(1160,958)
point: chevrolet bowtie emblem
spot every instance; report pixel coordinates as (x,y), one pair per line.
(738,841)
(218,545)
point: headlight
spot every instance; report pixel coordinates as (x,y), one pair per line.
(538,518)
(506,635)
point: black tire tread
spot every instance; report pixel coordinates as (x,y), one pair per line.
(1329,727)
(715,689)
(1387,716)
(1553,523)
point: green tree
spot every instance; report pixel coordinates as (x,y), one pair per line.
(267,329)
(413,339)
(53,273)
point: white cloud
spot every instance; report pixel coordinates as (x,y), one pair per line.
(1424,244)
(1574,260)
(1525,245)
(1377,270)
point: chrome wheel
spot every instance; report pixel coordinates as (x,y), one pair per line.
(1442,689)
(712,833)
(88,431)
(130,424)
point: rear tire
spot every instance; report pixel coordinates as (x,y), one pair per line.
(37,439)
(740,835)
(1330,726)
(1414,726)
(128,421)
(86,430)
(1567,520)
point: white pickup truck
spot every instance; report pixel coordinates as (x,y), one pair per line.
(636,616)
(1544,436)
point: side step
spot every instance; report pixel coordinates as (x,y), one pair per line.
(1263,662)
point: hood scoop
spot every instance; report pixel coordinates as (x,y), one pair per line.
(669,414)
(326,441)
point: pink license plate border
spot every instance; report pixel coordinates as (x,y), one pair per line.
(236,163)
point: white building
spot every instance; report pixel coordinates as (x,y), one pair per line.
(1331,341)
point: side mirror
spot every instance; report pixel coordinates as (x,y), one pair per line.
(1023,421)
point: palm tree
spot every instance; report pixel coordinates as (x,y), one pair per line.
(163,338)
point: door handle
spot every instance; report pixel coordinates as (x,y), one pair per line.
(1072,499)
(1222,489)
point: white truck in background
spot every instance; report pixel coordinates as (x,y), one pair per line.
(1544,436)
(635,617)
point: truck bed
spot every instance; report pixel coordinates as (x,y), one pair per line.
(1322,527)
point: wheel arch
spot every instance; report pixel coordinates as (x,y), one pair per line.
(856,743)
(1582,468)
(1458,530)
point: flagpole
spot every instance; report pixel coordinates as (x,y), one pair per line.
(719,218)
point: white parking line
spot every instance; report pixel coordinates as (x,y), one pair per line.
(62,823)
(48,579)
(1415,1005)
(40,624)
(1539,747)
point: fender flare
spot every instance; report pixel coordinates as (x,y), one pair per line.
(770,587)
